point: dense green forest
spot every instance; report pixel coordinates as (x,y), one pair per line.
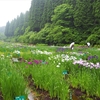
(57,22)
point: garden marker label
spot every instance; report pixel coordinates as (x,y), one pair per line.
(19,55)
(65,72)
(70,95)
(20,98)
(43,62)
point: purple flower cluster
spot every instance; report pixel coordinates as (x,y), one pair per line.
(87,64)
(92,57)
(30,63)
(37,62)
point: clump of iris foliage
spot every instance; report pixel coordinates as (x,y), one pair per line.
(46,65)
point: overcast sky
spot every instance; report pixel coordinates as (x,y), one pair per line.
(9,9)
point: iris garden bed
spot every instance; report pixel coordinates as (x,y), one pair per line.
(60,73)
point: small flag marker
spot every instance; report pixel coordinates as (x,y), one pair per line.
(20,98)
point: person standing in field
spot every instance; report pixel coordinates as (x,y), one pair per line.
(72,45)
(88,44)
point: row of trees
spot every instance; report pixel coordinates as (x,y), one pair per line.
(17,26)
(57,22)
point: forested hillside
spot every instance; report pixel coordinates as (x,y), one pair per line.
(57,22)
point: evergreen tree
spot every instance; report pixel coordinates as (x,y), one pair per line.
(7,29)
(40,13)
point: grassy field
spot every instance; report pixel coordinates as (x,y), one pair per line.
(66,74)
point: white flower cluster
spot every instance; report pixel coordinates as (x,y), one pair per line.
(63,57)
(2,56)
(68,58)
(58,65)
(15,59)
(41,52)
(16,52)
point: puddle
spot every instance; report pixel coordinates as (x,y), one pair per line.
(31,96)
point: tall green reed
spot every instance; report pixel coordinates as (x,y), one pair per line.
(12,82)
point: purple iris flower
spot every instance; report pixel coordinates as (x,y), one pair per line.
(30,63)
(37,61)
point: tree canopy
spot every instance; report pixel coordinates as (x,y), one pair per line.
(57,22)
